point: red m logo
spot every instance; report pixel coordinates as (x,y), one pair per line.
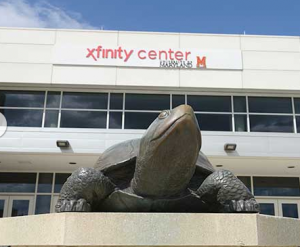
(201,62)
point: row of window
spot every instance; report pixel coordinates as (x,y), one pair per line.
(47,185)
(137,111)
(44,185)
(26,182)
(272,186)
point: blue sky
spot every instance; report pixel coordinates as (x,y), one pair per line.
(270,17)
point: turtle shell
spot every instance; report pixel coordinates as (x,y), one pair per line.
(118,163)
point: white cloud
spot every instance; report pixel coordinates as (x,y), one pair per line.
(20,13)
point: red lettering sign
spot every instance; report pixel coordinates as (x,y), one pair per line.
(168,58)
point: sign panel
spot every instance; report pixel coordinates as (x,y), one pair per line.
(155,58)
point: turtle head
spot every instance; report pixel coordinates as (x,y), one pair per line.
(168,153)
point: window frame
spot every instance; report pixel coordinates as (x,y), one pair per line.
(185,94)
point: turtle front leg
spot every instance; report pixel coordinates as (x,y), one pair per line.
(83,191)
(225,193)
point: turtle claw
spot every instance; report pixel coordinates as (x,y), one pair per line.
(64,205)
(242,206)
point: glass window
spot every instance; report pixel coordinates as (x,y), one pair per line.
(270,105)
(20,208)
(297,105)
(270,123)
(84,100)
(51,119)
(139,120)
(246,181)
(17,182)
(290,210)
(45,182)
(116,101)
(53,100)
(83,119)
(2,204)
(22,99)
(239,103)
(177,100)
(115,120)
(214,122)
(240,122)
(276,186)
(60,179)
(267,208)
(147,102)
(42,205)
(298,124)
(210,103)
(23,118)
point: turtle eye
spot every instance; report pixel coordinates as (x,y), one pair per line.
(164,114)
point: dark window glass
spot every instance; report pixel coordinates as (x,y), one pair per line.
(139,120)
(177,100)
(17,182)
(45,182)
(116,101)
(42,205)
(115,120)
(2,204)
(22,99)
(290,210)
(51,119)
(20,208)
(270,105)
(214,122)
(147,101)
(53,99)
(276,186)
(263,123)
(267,208)
(298,124)
(239,103)
(246,181)
(23,118)
(85,100)
(60,179)
(240,122)
(83,119)
(297,105)
(210,103)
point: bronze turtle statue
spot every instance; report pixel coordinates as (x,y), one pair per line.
(164,171)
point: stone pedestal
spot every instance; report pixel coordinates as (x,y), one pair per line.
(149,229)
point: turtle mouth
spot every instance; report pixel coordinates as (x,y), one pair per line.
(171,126)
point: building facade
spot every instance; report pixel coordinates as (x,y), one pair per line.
(98,88)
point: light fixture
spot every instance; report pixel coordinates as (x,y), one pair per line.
(291,167)
(72,163)
(219,165)
(229,147)
(62,144)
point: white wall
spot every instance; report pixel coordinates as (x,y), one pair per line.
(269,62)
(89,141)
(33,149)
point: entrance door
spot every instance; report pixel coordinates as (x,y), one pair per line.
(3,206)
(280,207)
(20,206)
